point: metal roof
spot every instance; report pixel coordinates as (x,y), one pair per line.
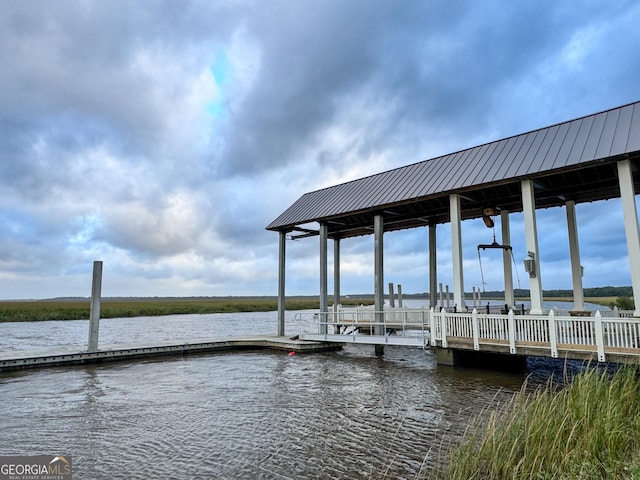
(574,160)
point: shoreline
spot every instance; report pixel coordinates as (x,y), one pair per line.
(78,309)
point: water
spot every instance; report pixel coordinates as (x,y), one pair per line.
(16,336)
(249,414)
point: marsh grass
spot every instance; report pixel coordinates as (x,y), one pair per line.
(589,429)
(29,311)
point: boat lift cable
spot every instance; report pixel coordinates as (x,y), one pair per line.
(481,274)
(515,267)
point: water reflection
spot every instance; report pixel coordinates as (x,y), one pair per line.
(250,414)
(247,415)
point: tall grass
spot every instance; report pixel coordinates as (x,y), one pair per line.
(27,311)
(589,429)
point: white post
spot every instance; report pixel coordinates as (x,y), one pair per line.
(574,253)
(324,304)
(336,285)
(599,336)
(433,267)
(627,194)
(336,274)
(282,244)
(531,234)
(456,246)
(511,325)
(476,329)
(432,326)
(443,328)
(378,229)
(94,315)
(507,257)
(552,334)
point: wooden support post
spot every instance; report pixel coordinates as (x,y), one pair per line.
(507,257)
(630,215)
(324,303)
(281,283)
(455,214)
(336,283)
(531,234)
(574,254)
(378,233)
(433,270)
(336,272)
(94,314)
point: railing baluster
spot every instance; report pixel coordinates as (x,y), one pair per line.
(580,337)
(626,335)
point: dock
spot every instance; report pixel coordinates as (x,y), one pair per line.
(601,336)
(120,352)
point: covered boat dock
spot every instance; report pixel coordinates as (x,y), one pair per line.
(591,158)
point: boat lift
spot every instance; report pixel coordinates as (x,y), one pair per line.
(487,216)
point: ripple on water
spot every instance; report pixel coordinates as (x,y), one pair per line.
(246,414)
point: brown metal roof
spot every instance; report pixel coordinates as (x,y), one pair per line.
(574,160)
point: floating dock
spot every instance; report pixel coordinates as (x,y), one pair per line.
(120,352)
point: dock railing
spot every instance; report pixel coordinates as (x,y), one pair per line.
(399,326)
(544,335)
(548,333)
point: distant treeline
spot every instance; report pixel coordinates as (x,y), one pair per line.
(588,292)
(522,293)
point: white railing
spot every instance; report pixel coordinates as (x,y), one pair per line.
(544,333)
(605,312)
(549,332)
(493,327)
(399,326)
(621,333)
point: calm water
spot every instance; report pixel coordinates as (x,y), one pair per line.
(251,414)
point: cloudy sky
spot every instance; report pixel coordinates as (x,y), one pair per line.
(161,137)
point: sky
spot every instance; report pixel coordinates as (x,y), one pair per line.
(161,137)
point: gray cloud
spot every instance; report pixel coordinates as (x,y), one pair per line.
(163,136)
